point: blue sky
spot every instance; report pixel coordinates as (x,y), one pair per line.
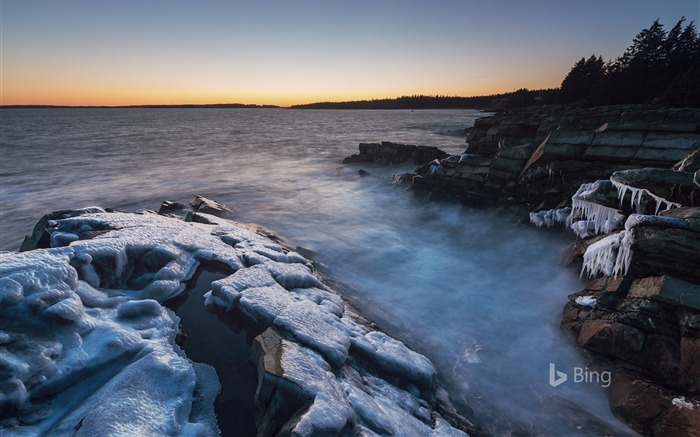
(284,52)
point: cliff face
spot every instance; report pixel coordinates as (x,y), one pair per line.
(630,180)
(640,311)
(540,157)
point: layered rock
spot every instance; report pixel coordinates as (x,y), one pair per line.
(626,180)
(540,157)
(393,153)
(88,345)
(641,310)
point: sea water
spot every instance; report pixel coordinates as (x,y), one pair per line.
(478,293)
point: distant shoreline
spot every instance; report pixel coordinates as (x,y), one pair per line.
(183,106)
(515,99)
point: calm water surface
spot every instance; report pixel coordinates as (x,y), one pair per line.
(478,293)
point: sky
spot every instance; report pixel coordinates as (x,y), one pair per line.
(283,52)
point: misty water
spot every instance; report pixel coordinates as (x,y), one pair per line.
(477,292)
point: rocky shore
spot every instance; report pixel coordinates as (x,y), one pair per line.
(89,345)
(626,181)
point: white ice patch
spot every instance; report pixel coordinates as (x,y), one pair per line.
(682,403)
(610,256)
(583,228)
(586,301)
(636,197)
(330,411)
(394,357)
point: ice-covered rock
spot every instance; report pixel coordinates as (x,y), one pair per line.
(586,203)
(105,365)
(636,197)
(87,346)
(550,217)
(610,256)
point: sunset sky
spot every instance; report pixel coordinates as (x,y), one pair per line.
(121,52)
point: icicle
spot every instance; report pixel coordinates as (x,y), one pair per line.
(562,215)
(610,256)
(624,255)
(636,197)
(604,218)
(583,228)
(550,217)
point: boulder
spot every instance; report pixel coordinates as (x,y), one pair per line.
(174,208)
(200,203)
(387,152)
(40,238)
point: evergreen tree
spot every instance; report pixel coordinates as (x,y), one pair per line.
(585,74)
(659,65)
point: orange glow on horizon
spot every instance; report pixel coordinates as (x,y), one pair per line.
(77,96)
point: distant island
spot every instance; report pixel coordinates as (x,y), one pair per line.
(520,98)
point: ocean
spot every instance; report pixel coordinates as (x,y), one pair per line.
(473,289)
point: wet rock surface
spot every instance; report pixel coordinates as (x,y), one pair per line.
(639,313)
(540,156)
(387,152)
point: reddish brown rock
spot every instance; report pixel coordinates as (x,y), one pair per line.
(636,402)
(690,364)
(678,421)
(613,339)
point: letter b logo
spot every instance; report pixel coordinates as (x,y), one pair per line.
(556,378)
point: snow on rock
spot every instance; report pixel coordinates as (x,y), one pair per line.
(682,403)
(660,221)
(586,301)
(88,348)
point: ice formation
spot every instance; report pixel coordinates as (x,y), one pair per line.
(88,348)
(636,197)
(682,403)
(604,219)
(610,255)
(550,217)
(85,361)
(635,220)
(586,301)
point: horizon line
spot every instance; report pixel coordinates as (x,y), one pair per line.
(257,105)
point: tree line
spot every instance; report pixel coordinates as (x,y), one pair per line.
(515,99)
(659,67)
